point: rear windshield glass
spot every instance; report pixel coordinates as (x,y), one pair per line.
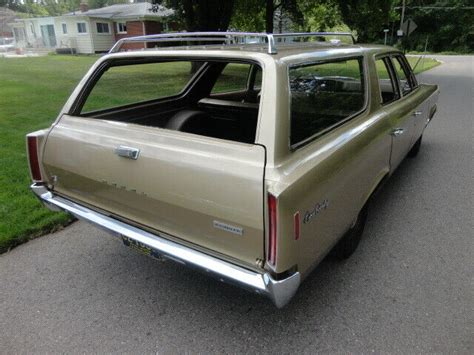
(323,95)
(217,99)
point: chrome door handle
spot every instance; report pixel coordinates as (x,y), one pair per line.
(397,132)
(417,113)
(127,152)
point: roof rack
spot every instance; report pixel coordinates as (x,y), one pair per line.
(230,38)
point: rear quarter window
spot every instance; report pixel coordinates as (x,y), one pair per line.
(233,78)
(324,95)
(406,79)
(129,84)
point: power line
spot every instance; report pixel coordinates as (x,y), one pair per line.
(438,7)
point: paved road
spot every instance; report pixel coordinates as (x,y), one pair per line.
(408,288)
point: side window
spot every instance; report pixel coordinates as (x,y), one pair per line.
(405,79)
(135,83)
(387,85)
(233,78)
(324,95)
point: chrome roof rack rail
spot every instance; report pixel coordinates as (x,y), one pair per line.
(313,34)
(227,38)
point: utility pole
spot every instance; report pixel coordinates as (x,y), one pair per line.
(403,15)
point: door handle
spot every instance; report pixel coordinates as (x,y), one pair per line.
(127,152)
(397,132)
(417,113)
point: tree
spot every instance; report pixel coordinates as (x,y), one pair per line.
(14,5)
(202,15)
(249,16)
(448,25)
(320,16)
(258,15)
(367,17)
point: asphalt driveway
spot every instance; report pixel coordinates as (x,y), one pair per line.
(408,289)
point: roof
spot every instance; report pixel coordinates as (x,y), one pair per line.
(286,56)
(125,11)
(287,47)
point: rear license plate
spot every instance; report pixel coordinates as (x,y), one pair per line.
(141,248)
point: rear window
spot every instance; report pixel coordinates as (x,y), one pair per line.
(324,95)
(212,98)
(129,84)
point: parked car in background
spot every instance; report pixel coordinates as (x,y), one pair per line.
(7,44)
(247,161)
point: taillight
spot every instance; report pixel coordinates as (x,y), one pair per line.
(296,225)
(32,142)
(272,229)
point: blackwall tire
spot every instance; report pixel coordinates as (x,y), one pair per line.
(349,242)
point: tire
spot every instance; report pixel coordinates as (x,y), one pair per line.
(415,149)
(349,242)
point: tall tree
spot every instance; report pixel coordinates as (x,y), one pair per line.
(321,15)
(202,15)
(448,25)
(11,4)
(258,15)
(286,8)
(367,17)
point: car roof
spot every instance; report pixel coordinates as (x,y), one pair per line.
(297,53)
(287,54)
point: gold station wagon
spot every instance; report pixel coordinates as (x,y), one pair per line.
(247,156)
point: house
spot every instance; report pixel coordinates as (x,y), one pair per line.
(92,30)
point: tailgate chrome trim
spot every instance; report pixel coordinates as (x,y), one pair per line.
(279,291)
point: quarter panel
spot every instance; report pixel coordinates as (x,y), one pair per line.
(337,172)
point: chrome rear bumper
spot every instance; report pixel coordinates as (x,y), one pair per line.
(279,291)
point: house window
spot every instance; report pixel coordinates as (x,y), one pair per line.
(81,27)
(64,26)
(102,27)
(121,27)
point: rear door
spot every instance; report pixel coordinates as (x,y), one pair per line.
(203,191)
(402,113)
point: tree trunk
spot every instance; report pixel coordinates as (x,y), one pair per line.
(207,15)
(269,10)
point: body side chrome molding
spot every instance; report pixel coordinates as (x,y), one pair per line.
(279,291)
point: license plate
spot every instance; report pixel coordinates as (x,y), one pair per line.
(141,248)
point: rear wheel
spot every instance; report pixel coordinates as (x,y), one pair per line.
(349,242)
(415,149)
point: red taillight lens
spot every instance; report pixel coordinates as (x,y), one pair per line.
(296,225)
(32,142)
(272,229)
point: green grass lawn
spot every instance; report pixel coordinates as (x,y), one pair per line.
(32,91)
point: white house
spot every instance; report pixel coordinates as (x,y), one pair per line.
(92,31)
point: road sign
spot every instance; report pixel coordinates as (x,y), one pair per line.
(409,26)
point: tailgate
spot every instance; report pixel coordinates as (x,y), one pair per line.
(202,190)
